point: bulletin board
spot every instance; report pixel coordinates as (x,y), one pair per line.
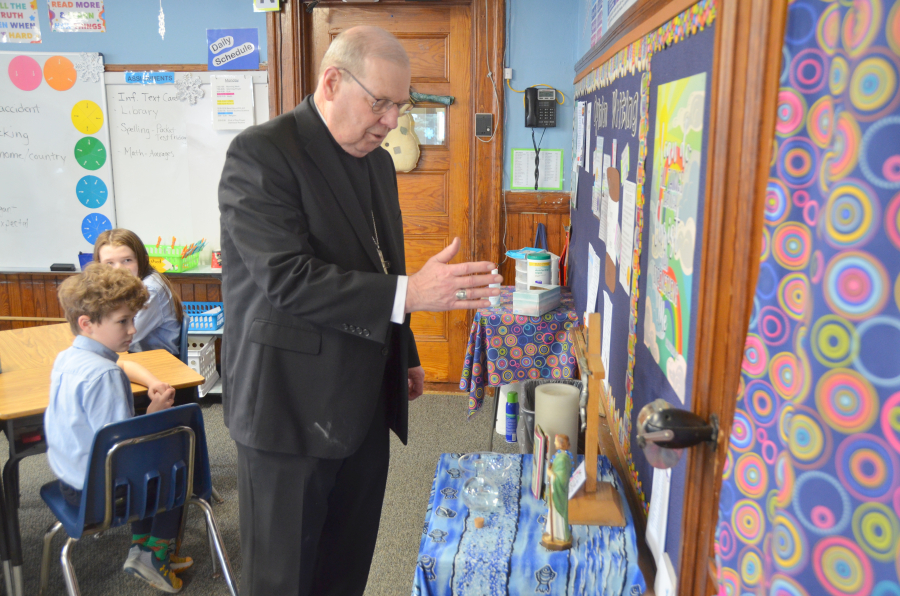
(651,102)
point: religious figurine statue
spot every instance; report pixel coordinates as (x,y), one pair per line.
(557,535)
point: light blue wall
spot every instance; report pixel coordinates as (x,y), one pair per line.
(583,29)
(541,50)
(131,31)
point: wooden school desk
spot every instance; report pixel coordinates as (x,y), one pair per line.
(33,347)
(24,395)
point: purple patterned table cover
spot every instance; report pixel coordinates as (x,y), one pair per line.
(505,558)
(504,348)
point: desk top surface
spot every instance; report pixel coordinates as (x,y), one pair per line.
(26,392)
(33,347)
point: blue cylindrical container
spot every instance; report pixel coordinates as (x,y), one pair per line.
(512,416)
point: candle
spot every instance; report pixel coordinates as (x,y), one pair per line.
(556,411)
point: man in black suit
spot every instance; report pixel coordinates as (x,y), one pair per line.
(318,357)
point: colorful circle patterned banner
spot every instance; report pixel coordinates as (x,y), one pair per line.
(810,499)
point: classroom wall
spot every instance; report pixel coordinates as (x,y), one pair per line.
(541,49)
(132,35)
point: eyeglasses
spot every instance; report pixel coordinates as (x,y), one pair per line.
(380,106)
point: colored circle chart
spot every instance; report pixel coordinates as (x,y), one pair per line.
(87,117)
(25,73)
(91,191)
(93,225)
(90,153)
(60,73)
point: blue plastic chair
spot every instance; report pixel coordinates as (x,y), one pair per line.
(183,341)
(160,461)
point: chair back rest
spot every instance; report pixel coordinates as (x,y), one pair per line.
(145,465)
(183,341)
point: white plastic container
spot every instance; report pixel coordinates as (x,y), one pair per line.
(539,267)
(494,300)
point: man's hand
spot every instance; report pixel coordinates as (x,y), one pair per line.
(416,380)
(162,396)
(433,288)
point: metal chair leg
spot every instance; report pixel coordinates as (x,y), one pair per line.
(68,570)
(220,548)
(212,550)
(45,557)
(216,496)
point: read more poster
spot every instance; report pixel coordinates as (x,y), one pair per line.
(77,16)
(19,22)
(674,195)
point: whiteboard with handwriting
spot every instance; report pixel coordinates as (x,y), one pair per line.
(56,183)
(167,157)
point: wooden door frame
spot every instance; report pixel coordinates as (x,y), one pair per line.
(746,71)
(292,77)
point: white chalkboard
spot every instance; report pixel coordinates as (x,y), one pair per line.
(167,158)
(56,184)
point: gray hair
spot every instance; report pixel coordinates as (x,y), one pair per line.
(350,49)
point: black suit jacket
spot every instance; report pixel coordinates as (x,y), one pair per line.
(308,345)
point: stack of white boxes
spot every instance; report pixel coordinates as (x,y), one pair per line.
(202,358)
(535,301)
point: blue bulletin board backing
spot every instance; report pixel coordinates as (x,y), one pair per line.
(667,73)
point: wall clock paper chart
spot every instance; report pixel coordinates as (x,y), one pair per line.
(674,197)
(54,164)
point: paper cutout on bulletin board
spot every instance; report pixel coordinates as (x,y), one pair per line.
(674,196)
(21,25)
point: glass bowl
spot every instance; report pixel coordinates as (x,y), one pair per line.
(485,464)
(481,494)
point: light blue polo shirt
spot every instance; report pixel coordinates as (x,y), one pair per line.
(87,391)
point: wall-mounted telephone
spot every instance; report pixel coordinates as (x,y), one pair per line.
(540,107)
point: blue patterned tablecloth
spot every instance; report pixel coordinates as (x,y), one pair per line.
(505,556)
(504,347)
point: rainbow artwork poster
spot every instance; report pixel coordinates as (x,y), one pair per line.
(674,198)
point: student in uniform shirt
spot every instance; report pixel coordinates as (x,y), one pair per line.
(159,323)
(89,388)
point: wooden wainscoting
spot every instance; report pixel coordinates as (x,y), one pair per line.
(524,211)
(29,299)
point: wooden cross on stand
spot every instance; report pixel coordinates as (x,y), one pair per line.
(596,503)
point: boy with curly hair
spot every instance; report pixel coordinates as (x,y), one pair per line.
(90,387)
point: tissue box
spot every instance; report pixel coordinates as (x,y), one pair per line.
(536,300)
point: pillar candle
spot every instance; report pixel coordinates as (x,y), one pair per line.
(556,411)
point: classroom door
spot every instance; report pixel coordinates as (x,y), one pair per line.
(435,196)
